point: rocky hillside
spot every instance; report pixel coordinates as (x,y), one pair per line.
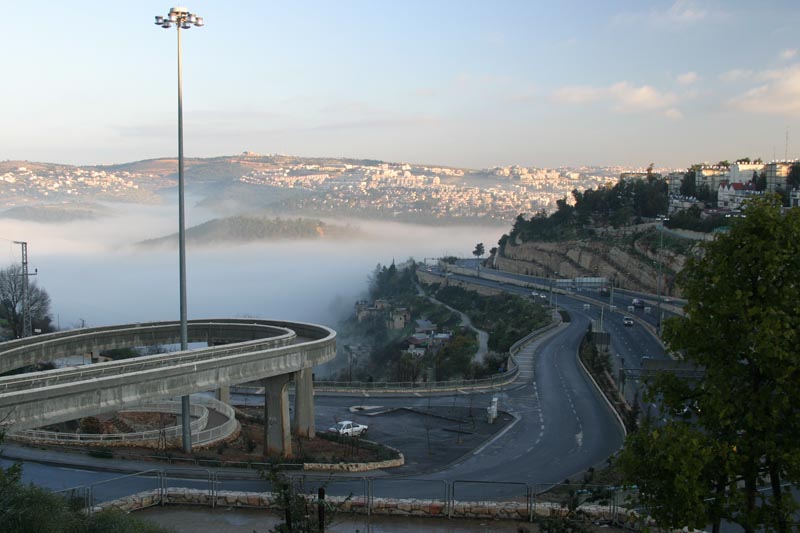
(629,255)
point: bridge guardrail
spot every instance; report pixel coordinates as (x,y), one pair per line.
(198,410)
(148,362)
(496,380)
(30,401)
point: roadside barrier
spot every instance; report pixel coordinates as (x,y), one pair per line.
(408,497)
(497,380)
(200,434)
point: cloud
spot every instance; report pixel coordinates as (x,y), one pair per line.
(624,97)
(687,78)
(788,54)
(578,94)
(778,94)
(680,14)
(735,75)
(685,12)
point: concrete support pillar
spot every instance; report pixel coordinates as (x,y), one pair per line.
(224,394)
(277,432)
(304,403)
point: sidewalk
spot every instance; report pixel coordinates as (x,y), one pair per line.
(202,520)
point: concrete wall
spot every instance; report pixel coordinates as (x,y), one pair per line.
(33,400)
(407,507)
(31,350)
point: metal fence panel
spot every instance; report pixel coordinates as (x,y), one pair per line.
(601,501)
(77,498)
(176,484)
(146,484)
(353,491)
(390,495)
(467,499)
(255,483)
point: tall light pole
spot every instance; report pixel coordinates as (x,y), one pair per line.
(182,19)
(659,316)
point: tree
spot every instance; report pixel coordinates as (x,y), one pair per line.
(301,512)
(793,178)
(760,181)
(11,301)
(27,508)
(479,250)
(739,422)
(689,184)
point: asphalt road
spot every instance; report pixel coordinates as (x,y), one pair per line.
(559,426)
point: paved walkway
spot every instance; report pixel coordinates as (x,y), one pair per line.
(202,520)
(483,337)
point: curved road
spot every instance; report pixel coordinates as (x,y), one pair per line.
(563,426)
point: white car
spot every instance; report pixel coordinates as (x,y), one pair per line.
(349,428)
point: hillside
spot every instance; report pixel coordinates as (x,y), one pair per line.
(629,255)
(56,213)
(243,229)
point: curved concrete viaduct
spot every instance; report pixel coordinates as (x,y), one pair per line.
(240,350)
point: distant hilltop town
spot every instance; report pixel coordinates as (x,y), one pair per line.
(325,187)
(281,184)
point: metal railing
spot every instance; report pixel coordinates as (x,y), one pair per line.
(138,364)
(200,435)
(358,494)
(495,380)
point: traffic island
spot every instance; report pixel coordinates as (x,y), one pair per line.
(242,449)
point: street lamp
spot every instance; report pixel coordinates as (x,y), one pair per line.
(659,316)
(182,19)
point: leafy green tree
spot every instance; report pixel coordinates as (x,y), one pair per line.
(742,327)
(793,178)
(689,184)
(453,360)
(392,282)
(479,250)
(760,181)
(300,510)
(27,508)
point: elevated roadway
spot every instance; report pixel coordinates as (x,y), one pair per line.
(240,350)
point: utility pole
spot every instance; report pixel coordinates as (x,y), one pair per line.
(26,306)
(660,268)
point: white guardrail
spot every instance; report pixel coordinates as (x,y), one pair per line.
(200,434)
(502,378)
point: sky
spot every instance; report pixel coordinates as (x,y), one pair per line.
(462,83)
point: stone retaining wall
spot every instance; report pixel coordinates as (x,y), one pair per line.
(408,507)
(357,467)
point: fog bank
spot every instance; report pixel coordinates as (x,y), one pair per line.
(95,274)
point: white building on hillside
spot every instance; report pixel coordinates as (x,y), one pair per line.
(776,172)
(743,172)
(711,176)
(733,195)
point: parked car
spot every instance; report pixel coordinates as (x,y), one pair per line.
(627,321)
(349,428)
